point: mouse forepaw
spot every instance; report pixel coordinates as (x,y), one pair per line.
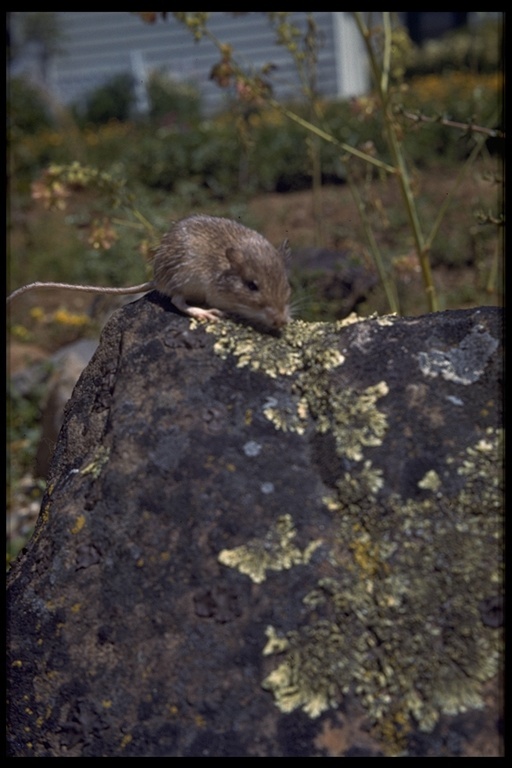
(205,314)
(198,312)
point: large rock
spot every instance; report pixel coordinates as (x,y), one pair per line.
(274,546)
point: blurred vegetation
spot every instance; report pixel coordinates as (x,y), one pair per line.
(112,101)
(177,147)
(479,49)
(173,103)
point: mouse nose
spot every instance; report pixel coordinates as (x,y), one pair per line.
(279,318)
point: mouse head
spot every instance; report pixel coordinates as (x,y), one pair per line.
(255,284)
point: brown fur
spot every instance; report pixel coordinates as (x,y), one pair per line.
(226,266)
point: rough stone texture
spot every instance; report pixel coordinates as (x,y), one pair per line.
(270,546)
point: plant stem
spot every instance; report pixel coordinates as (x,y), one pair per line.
(381,83)
(480,141)
(388,285)
(327,137)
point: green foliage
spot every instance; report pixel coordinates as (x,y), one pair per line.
(280,157)
(205,155)
(98,206)
(27,109)
(473,49)
(112,101)
(252,151)
(461,96)
(172,103)
(23,427)
(22,438)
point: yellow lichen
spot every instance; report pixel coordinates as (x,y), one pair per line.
(420,588)
(430,481)
(79,524)
(95,467)
(274,552)
(398,620)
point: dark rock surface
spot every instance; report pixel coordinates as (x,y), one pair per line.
(275,546)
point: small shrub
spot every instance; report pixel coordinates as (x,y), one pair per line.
(475,49)
(172,103)
(27,109)
(112,101)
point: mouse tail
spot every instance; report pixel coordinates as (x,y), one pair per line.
(87,288)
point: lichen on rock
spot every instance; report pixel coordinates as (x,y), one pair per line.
(298,346)
(311,352)
(275,551)
(355,504)
(462,363)
(400,622)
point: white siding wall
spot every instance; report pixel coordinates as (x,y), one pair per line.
(99,44)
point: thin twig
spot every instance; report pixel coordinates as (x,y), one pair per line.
(418,117)
(395,148)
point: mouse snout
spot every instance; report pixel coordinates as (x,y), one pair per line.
(277,318)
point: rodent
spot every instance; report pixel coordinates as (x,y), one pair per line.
(216,262)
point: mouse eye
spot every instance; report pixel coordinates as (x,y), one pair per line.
(251,285)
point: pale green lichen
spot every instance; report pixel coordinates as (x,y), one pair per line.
(353,419)
(274,552)
(350,415)
(310,351)
(430,481)
(274,356)
(291,416)
(362,482)
(398,622)
(291,684)
(299,346)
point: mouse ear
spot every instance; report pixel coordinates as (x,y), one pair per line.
(284,251)
(234,256)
